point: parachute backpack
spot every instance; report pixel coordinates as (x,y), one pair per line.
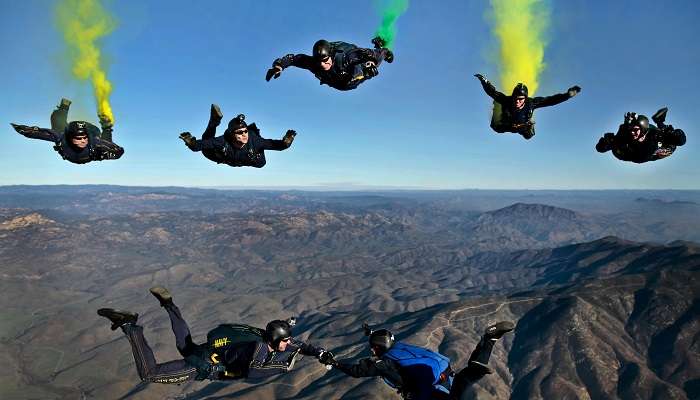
(224,336)
(407,356)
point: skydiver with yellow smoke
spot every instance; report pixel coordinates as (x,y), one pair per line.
(78,141)
(514,113)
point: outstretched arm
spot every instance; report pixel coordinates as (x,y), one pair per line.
(290,60)
(34,132)
(307,349)
(538,102)
(278,145)
(199,145)
(491,90)
(106,150)
(367,367)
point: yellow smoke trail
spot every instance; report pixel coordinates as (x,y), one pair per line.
(83,23)
(520,27)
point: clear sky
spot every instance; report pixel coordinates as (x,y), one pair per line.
(423,122)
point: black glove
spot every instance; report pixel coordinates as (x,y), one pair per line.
(370,69)
(573,91)
(188,139)
(275,71)
(481,78)
(327,358)
(105,122)
(289,137)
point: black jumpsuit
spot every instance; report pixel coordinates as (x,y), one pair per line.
(100,146)
(506,118)
(245,360)
(347,71)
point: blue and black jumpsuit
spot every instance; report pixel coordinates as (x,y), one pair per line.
(415,383)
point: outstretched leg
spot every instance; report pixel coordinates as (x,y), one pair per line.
(59,116)
(215,117)
(183,338)
(477,366)
(149,370)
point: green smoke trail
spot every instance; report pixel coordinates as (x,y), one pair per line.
(390,10)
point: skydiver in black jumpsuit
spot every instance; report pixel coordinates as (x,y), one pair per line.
(639,141)
(241,144)
(340,65)
(514,113)
(79,142)
(232,351)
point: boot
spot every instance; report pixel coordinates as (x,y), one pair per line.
(496,331)
(215,115)
(163,295)
(119,318)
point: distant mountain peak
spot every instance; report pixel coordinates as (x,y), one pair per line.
(25,221)
(533,209)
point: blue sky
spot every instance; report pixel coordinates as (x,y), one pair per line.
(423,122)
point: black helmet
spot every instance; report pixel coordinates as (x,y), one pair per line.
(634,119)
(234,125)
(237,123)
(322,49)
(381,341)
(519,90)
(276,331)
(642,122)
(76,128)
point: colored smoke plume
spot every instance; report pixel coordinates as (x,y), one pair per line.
(519,26)
(83,23)
(390,11)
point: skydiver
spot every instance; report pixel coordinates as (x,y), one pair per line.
(236,147)
(78,141)
(418,373)
(514,113)
(638,141)
(232,351)
(340,65)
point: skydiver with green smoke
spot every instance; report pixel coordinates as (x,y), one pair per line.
(514,113)
(79,142)
(340,65)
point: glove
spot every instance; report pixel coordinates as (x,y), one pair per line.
(275,71)
(370,69)
(481,78)
(188,139)
(573,91)
(327,358)
(105,121)
(289,137)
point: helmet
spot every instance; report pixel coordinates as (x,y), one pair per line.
(634,119)
(381,341)
(235,124)
(321,50)
(519,90)
(642,122)
(76,128)
(276,331)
